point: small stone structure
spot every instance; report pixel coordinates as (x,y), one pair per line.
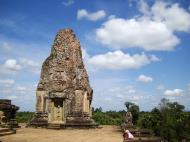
(64,95)
(129,119)
(7,114)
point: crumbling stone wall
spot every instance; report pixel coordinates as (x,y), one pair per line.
(8,112)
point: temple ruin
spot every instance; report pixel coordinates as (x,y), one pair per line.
(64,95)
(8,114)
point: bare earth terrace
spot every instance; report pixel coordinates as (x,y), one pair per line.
(105,134)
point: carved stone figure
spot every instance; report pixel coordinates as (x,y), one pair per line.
(64,94)
(128,118)
(128,121)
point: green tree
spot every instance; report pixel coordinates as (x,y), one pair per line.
(98,109)
(173,121)
(168,121)
(24,117)
(108,117)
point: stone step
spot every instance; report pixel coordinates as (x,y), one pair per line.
(81,125)
(79,121)
(6,131)
(54,126)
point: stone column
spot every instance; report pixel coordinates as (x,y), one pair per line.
(51,111)
(40,101)
(78,106)
(47,105)
(85,103)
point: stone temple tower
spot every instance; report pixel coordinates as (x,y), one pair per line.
(64,95)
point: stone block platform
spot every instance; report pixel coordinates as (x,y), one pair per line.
(6,131)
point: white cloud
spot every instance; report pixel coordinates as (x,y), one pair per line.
(175,17)
(7,81)
(82,13)
(174,92)
(11,64)
(25,61)
(143,7)
(68,2)
(143,33)
(144,78)
(154,30)
(119,60)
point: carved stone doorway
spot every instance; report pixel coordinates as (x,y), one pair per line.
(58,110)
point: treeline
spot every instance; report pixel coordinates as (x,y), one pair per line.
(115,117)
(24,117)
(108,117)
(168,120)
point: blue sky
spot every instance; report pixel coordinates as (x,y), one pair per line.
(134,50)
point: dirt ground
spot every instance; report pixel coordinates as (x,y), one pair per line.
(105,134)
